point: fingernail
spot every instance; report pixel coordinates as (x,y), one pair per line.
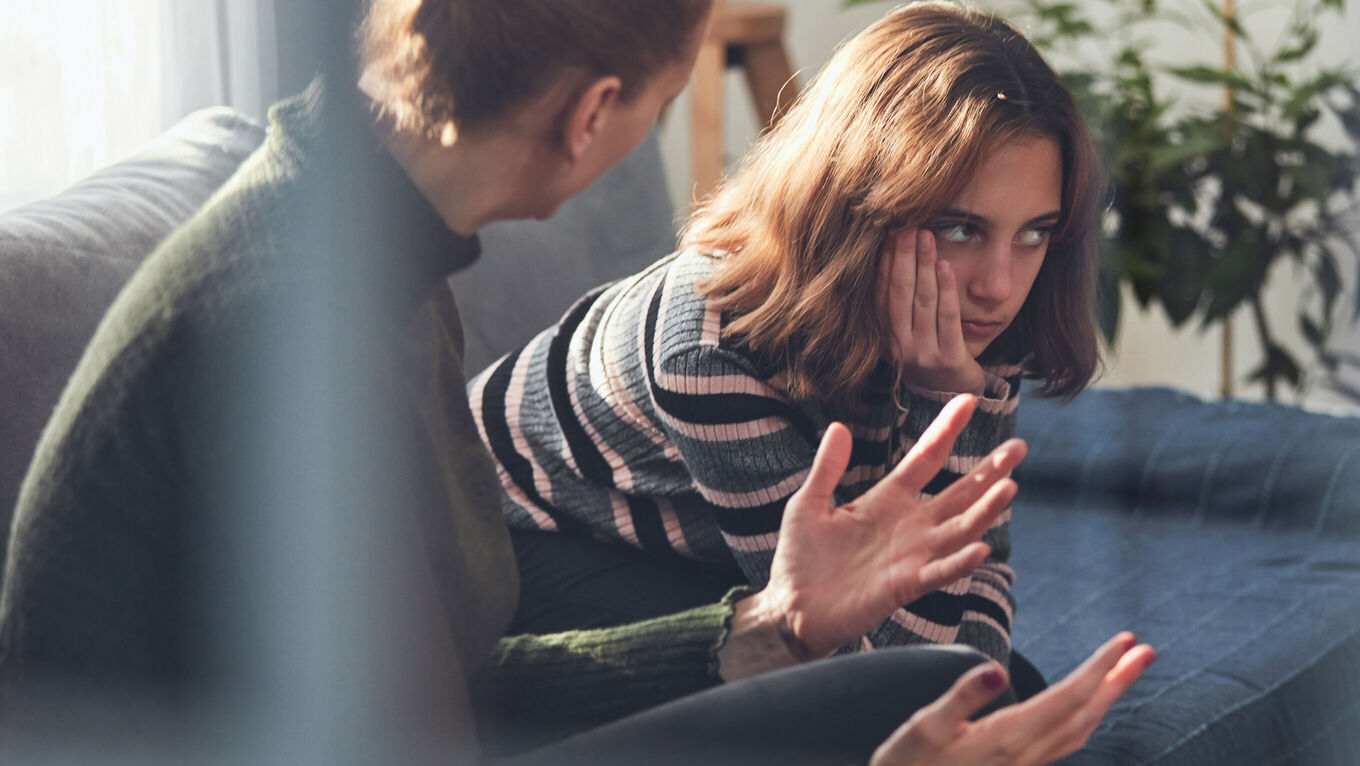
(993,679)
(1152,657)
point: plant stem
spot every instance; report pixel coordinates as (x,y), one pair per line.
(1267,343)
(1230,64)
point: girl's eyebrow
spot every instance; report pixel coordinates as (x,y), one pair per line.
(954,213)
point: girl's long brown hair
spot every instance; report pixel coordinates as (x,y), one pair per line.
(887,134)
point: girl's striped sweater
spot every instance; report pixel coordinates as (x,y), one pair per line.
(634,420)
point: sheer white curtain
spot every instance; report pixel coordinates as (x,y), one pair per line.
(219,52)
(80,86)
(83,83)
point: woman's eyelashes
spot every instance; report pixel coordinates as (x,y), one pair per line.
(956,232)
(1033,236)
(963,232)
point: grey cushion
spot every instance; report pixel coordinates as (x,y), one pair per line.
(63,259)
(531,271)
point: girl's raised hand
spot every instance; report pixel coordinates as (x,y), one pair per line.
(839,571)
(919,295)
(1048,726)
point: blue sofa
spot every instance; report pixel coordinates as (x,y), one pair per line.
(1226,534)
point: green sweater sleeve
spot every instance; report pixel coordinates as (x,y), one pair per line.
(572,681)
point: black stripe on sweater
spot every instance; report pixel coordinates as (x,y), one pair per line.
(983,605)
(651,531)
(745,522)
(940,607)
(495,419)
(868,452)
(948,609)
(941,482)
(583,449)
(713,409)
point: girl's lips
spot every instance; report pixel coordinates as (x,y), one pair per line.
(981,329)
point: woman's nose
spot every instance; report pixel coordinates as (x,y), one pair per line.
(992,281)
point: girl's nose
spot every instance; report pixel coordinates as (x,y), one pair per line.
(992,282)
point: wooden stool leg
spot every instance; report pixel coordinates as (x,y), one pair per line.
(706,124)
(770,78)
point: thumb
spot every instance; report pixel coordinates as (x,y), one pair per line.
(935,727)
(833,456)
(940,719)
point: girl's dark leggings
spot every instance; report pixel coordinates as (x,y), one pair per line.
(835,711)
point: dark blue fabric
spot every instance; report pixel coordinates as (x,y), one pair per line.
(1228,536)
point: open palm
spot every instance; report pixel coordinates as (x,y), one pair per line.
(840,570)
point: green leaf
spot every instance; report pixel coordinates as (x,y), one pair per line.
(1311,331)
(1231,22)
(1286,366)
(1279,364)
(1328,277)
(1208,75)
(1181,287)
(1306,94)
(1308,40)
(1236,272)
(1195,143)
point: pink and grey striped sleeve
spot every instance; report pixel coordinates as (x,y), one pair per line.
(748,448)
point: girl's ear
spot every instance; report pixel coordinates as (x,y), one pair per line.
(587,115)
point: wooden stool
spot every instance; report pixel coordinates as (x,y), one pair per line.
(749,35)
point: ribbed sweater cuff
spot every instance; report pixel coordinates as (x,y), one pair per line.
(993,420)
(589,677)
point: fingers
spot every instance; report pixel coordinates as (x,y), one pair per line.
(833,456)
(928,455)
(950,326)
(968,526)
(897,274)
(935,727)
(1071,734)
(925,307)
(973,485)
(947,569)
(1050,708)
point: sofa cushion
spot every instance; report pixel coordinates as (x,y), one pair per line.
(63,259)
(1223,533)
(531,272)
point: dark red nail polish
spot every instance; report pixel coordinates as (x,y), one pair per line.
(994,679)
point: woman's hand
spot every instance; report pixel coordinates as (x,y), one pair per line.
(840,571)
(920,297)
(1052,724)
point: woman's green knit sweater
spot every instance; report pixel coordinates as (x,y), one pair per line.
(120,517)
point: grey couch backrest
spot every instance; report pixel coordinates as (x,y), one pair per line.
(62,261)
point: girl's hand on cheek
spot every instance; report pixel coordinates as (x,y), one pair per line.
(919,296)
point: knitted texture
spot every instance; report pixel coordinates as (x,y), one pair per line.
(106,580)
(636,420)
(585,678)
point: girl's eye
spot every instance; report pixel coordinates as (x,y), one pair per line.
(1033,237)
(955,232)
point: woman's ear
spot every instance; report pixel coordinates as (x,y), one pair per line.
(587,115)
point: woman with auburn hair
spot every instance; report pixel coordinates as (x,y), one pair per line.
(920,224)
